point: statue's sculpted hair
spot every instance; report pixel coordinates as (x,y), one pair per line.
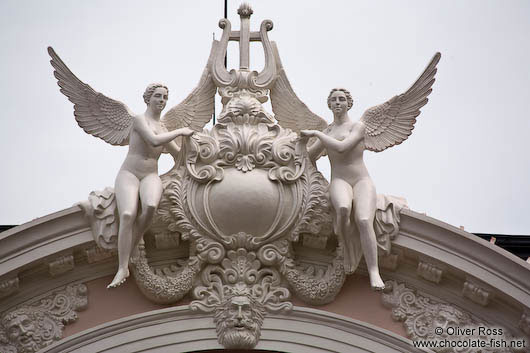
(346,93)
(150,89)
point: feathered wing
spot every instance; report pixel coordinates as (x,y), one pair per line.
(197,109)
(391,123)
(288,109)
(97,114)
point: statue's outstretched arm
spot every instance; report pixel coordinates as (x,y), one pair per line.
(173,149)
(355,136)
(148,135)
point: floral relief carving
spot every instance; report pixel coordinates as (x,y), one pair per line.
(428,319)
(33,326)
(246,138)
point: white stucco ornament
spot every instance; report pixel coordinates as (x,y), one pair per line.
(246,194)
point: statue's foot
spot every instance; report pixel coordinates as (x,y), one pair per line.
(121,276)
(376,282)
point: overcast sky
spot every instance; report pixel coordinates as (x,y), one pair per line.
(466,163)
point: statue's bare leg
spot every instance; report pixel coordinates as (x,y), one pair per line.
(126,191)
(150,193)
(364,201)
(341,195)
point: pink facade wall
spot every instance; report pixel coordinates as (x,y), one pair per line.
(356,300)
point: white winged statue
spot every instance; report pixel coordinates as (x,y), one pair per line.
(138,187)
(352,191)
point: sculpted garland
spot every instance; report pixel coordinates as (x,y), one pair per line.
(243,193)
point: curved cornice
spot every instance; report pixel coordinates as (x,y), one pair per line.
(67,232)
(484,261)
(179,329)
(31,242)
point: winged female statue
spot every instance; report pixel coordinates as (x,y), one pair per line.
(352,191)
(138,187)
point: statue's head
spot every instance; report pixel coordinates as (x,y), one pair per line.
(238,321)
(340,96)
(21,329)
(156,95)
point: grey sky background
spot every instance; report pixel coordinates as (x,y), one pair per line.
(466,162)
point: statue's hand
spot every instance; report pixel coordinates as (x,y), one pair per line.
(308,133)
(186,131)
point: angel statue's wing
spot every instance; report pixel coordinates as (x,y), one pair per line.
(96,113)
(197,109)
(288,109)
(391,123)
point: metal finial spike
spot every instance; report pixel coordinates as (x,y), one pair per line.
(245,10)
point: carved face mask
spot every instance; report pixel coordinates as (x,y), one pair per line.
(21,330)
(238,325)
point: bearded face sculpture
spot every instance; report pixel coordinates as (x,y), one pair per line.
(21,331)
(447,316)
(238,322)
